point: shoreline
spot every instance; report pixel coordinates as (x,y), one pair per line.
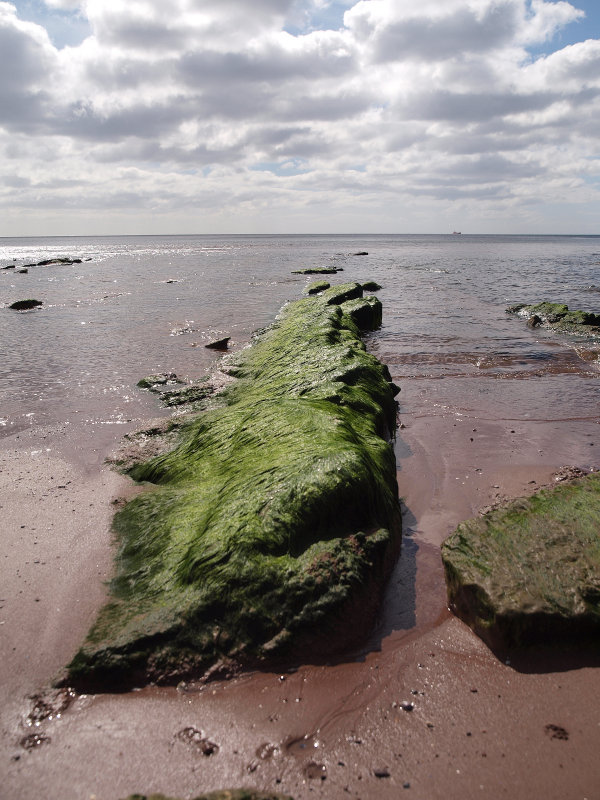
(334,730)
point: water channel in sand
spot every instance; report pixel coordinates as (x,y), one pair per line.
(489,409)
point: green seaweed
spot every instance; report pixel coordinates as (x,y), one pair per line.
(274,518)
(530,571)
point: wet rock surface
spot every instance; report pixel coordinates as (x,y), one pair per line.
(275,516)
(529,572)
(558,317)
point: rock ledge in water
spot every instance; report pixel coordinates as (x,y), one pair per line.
(530,572)
(558,317)
(274,523)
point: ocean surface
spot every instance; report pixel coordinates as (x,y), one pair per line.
(146,304)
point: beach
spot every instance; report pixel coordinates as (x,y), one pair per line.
(422,707)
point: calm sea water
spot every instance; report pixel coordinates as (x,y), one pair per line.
(147,304)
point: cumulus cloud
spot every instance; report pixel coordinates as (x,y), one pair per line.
(191,101)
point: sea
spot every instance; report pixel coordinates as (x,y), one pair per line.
(140,305)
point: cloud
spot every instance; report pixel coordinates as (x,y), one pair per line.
(203,100)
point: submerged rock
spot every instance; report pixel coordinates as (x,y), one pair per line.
(25,305)
(274,523)
(371,286)
(530,572)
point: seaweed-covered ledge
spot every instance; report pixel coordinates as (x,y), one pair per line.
(530,572)
(274,522)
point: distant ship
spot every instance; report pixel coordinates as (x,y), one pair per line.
(457,233)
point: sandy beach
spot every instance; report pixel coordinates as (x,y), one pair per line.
(425,708)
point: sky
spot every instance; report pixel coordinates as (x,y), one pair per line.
(299,116)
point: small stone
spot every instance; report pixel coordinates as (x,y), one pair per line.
(405,705)
(382,772)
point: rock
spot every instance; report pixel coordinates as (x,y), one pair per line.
(49,261)
(530,571)
(366,312)
(558,317)
(272,522)
(161,379)
(10,266)
(361,253)
(317,271)
(219,344)
(382,772)
(371,286)
(317,286)
(225,794)
(25,305)
(188,394)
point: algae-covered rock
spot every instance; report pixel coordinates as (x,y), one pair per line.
(153,382)
(558,317)
(317,286)
(530,571)
(275,521)
(225,794)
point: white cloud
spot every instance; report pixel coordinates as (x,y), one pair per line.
(176,102)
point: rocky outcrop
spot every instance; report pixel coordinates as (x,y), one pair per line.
(530,572)
(558,317)
(50,261)
(274,523)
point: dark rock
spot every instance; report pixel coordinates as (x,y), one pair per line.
(225,794)
(317,271)
(534,321)
(361,253)
(371,286)
(25,305)
(50,261)
(219,344)
(10,266)
(382,772)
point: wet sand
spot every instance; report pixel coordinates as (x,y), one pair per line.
(423,709)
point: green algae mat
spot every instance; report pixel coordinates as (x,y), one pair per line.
(530,572)
(273,524)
